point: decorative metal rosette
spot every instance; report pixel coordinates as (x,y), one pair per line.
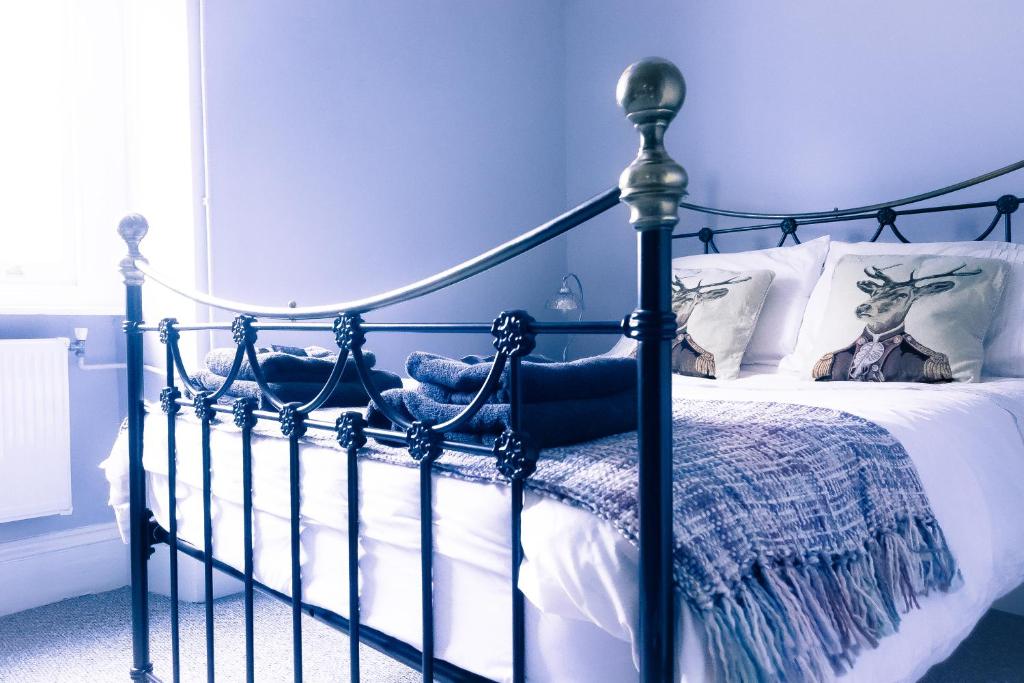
(886,216)
(167,331)
(1007,204)
(348,332)
(349,427)
(203,405)
(512,333)
(424,443)
(242,409)
(168,400)
(514,459)
(242,331)
(292,421)
(788,226)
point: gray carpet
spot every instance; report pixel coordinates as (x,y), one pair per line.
(993,653)
(89,639)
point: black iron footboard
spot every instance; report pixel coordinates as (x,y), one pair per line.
(514,335)
(651,93)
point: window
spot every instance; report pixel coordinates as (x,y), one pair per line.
(96,122)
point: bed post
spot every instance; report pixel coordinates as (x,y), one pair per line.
(132,229)
(650,93)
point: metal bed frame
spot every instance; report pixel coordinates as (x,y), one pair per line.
(650,92)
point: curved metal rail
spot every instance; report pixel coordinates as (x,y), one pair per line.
(860,209)
(485,261)
(527,241)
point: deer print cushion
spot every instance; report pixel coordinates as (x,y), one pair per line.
(797,269)
(716,313)
(907,318)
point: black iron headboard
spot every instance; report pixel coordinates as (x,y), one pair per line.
(885,214)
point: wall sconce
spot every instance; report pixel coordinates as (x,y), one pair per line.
(566,301)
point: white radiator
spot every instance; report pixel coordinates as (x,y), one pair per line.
(35,429)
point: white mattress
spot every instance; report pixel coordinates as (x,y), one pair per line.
(579,576)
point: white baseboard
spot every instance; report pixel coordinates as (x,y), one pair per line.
(63,564)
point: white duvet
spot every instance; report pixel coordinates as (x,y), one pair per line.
(579,576)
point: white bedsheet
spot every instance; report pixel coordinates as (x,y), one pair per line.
(580,575)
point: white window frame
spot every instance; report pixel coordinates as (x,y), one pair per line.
(133,150)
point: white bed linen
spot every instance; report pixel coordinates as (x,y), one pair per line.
(580,575)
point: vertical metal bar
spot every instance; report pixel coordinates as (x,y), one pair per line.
(208,544)
(172,513)
(427,567)
(349,431)
(1007,229)
(132,229)
(651,92)
(250,651)
(518,604)
(353,562)
(655,463)
(294,493)
(424,447)
(139,514)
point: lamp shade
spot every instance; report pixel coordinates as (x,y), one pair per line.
(566,300)
(563,300)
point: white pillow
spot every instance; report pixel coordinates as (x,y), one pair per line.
(796,271)
(1004,345)
(908,318)
(716,314)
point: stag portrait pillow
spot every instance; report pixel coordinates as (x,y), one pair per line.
(716,313)
(907,318)
(796,268)
(1004,346)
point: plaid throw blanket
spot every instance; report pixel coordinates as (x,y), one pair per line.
(801,533)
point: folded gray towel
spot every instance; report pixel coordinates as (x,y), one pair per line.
(543,380)
(550,423)
(345,394)
(286,364)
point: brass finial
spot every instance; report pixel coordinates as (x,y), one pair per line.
(132,229)
(651,93)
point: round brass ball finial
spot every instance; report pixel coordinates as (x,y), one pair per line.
(132,229)
(651,92)
(652,88)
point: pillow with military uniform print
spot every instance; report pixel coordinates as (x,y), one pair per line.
(716,313)
(907,318)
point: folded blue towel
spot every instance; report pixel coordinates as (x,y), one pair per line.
(286,364)
(550,423)
(345,394)
(543,380)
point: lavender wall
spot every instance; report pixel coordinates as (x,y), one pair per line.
(97,400)
(795,106)
(355,147)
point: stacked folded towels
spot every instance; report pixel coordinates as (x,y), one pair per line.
(563,402)
(292,374)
